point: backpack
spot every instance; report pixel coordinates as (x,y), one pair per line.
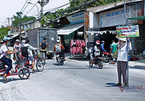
(43,45)
(58,48)
(24,51)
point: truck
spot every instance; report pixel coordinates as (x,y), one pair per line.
(36,36)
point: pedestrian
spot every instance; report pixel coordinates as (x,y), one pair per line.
(122,60)
(43,47)
(113,51)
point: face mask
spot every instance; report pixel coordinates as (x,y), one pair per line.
(8,43)
(23,44)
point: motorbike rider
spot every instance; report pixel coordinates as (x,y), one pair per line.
(102,46)
(96,50)
(30,54)
(3,52)
(17,47)
(58,47)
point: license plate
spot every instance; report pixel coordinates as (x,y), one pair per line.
(48,53)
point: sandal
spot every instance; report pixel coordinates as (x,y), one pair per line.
(5,79)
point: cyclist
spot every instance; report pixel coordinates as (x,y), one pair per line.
(30,54)
(58,47)
(43,47)
(3,52)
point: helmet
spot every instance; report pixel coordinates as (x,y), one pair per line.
(23,41)
(58,41)
(27,41)
(97,42)
(103,41)
(17,40)
(5,40)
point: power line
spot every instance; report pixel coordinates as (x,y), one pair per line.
(24,5)
(30,9)
(73,8)
(57,7)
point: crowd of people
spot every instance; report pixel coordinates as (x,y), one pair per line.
(117,50)
(23,48)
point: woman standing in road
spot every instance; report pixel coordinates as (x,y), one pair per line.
(122,60)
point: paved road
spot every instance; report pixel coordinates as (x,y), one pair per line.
(74,81)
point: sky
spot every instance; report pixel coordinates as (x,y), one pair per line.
(8,8)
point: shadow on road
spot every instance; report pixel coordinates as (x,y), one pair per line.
(12,79)
(111,85)
(137,67)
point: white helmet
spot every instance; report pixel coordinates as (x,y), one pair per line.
(17,40)
(23,41)
(58,41)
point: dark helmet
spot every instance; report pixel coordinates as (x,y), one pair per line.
(27,41)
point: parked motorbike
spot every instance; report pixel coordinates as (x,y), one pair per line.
(60,58)
(106,56)
(97,61)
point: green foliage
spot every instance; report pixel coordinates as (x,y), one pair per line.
(3,32)
(19,18)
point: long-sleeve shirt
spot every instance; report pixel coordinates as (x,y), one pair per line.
(102,47)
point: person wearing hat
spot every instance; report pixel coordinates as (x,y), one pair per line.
(4,51)
(17,47)
(58,47)
(122,60)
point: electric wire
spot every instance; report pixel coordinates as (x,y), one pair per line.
(31,9)
(23,6)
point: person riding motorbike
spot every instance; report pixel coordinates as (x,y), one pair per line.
(95,51)
(3,52)
(58,47)
(17,47)
(30,54)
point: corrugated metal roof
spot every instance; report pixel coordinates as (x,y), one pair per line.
(110,6)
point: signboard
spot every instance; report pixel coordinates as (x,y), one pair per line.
(76,18)
(127,31)
(114,17)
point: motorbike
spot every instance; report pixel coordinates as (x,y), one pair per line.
(97,61)
(106,57)
(60,58)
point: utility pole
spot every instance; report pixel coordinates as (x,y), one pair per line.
(8,21)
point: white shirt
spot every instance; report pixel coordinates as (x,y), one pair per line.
(3,50)
(17,46)
(30,48)
(122,52)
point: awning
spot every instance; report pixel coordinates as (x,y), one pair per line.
(137,18)
(69,29)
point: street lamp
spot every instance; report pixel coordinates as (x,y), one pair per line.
(36,6)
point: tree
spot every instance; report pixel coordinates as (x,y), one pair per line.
(3,31)
(19,18)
